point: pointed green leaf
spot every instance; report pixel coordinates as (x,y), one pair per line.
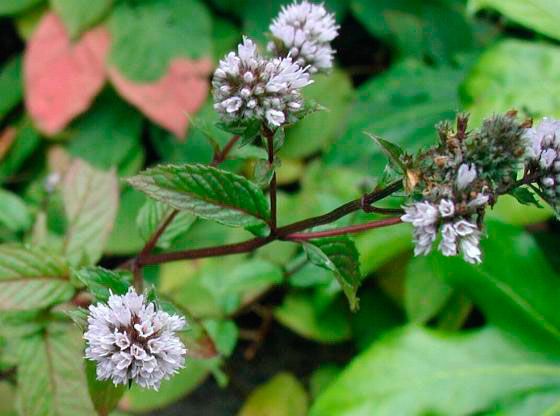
(11,88)
(207,192)
(91,201)
(340,256)
(419,372)
(526,197)
(101,282)
(32,279)
(79,15)
(51,378)
(391,150)
(152,216)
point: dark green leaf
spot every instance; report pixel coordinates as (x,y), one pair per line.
(392,151)
(79,15)
(11,7)
(11,90)
(207,192)
(26,142)
(102,282)
(183,31)
(420,372)
(104,394)
(340,256)
(32,279)
(526,197)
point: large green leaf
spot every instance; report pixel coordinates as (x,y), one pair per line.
(340,256)
(207,192)
(91,200)
(31,279)
(515,286)
(154,213)
(11,7)
(539,15)
(11,88)
(181,29)
(79,15)
(14,214)
(515,74)
(102,282)
(283,395)
(51,377)
(418,372)
(401,106)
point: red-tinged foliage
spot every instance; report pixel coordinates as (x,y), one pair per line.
(169,101)
(61,78)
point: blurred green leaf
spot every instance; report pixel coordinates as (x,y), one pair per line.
(206,192)
(434,29)
(540,15)
(225,37)
(102,282)
(515,286)
(283,395)
(125,237)
(11,7)
(417,371)
(318,130)
(104,394)
(11,87)
(51,378)
(306,315)
(322,377)
(152,216)
(426,291)
(542,403)
(107,134)
(402,106)
(14,214)
(183,31)
(224,333)
(79,15)
(91,199)
(32,279)
(26,142)
(514,74)
(509,210)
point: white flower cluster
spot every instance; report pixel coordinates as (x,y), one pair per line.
(458,234)
(304,31)
(132,341)
(544,153)
(248,86)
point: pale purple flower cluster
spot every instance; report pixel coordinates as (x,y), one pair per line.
(132,341)
(248,86)
(304,31)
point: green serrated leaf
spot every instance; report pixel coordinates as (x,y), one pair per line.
(340,256)
(101,282)
(31,278)
(90,200)
(206,192)
(51,378)
(392,151)
(79,316)
(79,15)
(526,197)
(154,213)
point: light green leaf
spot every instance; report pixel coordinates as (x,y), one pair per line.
(426,291)
(401,106)
(14,214)
(104,394)
(514,74)
(79,15)
(224,333)
(417,371)
(283,395)
(11,7)
(32,279)
(304,314)
(102,282)
(51,378)
(539,15)
(152,216)
(125,238)
(181,29)
(11,88)
(340,256)
(91,202)
(206,192)
(509,210)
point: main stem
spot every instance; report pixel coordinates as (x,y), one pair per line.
(269,135)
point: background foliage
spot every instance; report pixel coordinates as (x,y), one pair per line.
(94,91)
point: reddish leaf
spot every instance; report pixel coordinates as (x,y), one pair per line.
(61,78)
(169,100)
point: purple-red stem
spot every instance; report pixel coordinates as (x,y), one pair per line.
(343,230)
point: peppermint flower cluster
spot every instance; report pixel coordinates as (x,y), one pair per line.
(544,158)
(457,180)
(304,31)
(132,341)
(248,86)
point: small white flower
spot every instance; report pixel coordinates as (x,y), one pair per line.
(470,247)
(130,340)
(421,214)
(547,159)
(424,238)
(304,31)
(545,134)
(464,228)
(446,208)
(478,201)
(448,244)
(465,175)
(248,86)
